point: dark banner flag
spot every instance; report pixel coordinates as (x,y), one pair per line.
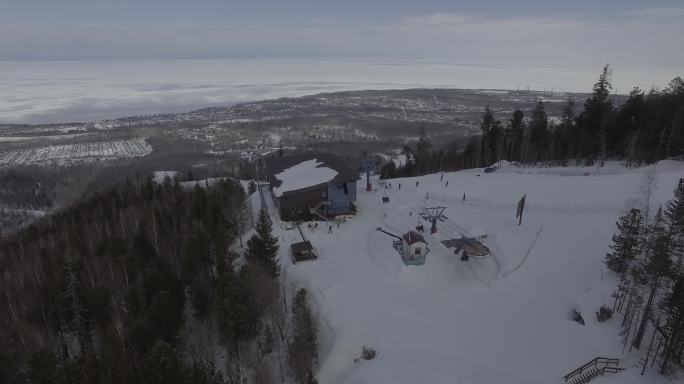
(521,208)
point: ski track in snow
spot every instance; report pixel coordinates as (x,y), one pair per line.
(527,254)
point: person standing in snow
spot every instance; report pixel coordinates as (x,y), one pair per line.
(399,185)
(416,183)
(447,184)
(329,228)
(441,178)
(463,196)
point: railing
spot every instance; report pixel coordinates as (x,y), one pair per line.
(315,210)
(596,367)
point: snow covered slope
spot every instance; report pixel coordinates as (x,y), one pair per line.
(500,319)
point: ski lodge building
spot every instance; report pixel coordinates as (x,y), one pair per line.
(311,186)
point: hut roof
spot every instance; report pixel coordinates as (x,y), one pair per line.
(412,237)
(304,246)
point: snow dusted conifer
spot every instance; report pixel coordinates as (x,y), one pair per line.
(262,247)
(73,308)
(675,216)
(656,268)
(304,347)
(673,301)
(625,245)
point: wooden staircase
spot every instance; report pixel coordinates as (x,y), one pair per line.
(599,366)
(316,210)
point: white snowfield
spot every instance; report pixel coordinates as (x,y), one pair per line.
(504,319)
(303,175)
(160,176)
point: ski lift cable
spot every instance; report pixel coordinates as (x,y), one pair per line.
(450,224)
(454,226)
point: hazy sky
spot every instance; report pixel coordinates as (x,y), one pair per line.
(578,33)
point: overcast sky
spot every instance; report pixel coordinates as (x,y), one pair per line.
(578,33)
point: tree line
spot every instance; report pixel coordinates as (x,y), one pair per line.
(645,128)
(138,284)
(647,254)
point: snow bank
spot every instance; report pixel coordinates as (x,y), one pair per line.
(202,183)
(502,164)
(160,176)
(305,174)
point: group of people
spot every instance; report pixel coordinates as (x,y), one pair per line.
(314,226)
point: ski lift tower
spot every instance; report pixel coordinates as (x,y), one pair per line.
(368,165)
(432,214)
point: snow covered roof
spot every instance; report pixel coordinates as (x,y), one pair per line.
(304,246)
(303,175)
(293,173)
(412,237)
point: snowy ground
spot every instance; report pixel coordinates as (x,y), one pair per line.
(500,319)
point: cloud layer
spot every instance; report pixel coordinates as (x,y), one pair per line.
(67,91)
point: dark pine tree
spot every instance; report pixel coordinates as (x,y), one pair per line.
(486,127)
(593,121)
(304,346)
(262,247)
(423,160)
(657,267)
(515,132)
(625,246)
(539,130)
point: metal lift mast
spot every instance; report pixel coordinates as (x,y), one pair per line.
(432,214)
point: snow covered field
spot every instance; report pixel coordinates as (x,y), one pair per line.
(495,320)
(70,154)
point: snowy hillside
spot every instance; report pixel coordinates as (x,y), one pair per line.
(500,319)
